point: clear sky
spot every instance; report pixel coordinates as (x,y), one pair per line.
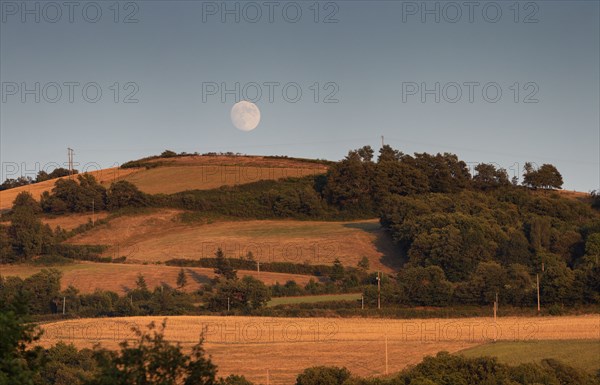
(515,81)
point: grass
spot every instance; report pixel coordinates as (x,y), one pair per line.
(582,354)
(314,299)
(251,346)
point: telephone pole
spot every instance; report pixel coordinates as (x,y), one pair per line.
(382,142)
(537,281)
(64,304)
(378,291)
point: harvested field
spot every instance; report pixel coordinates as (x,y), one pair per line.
(120,278)
(282,347)
(160,236)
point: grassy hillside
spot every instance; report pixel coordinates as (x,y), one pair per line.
(582,354)
(120,278)
(160,236)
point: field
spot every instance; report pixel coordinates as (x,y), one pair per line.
(160,236)
(314,299)
(88,276)
(582,354)
(282,347)
(203,173)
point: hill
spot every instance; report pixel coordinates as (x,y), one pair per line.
(181,173)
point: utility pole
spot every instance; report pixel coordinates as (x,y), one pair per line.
(537,281)
(93,212)
(64,304)
(378,291)
(362,302)
(228,304)
(382,143)
(258,266)
(70,154)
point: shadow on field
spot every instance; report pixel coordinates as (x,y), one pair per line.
(197,277)
(391,257)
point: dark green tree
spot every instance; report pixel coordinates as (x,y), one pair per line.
(489,177)
(181,279)
(223,266)
(124,194)
(323,375)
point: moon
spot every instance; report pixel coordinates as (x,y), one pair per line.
(245,115)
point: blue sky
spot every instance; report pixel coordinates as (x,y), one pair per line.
(515,81)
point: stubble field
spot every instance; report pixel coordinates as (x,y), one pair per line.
(280,348)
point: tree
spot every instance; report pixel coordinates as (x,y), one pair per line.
(489,177)
(181,279)
(168,154)
(26,232)
(546,177)
(425,286)
(81,195)
(323,375)
(124,194)
(363,264)
(223,266)
(388,154)
(246,294)
(140,282)
(12,183)
(43,289)
(337,271)
(18,365)
(153,360)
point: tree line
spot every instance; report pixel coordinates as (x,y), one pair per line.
(40,177)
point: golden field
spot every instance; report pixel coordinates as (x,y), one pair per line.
(160,236)
(118,277)
(282,347)
(208,172)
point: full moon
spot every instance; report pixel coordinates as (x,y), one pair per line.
(245,116)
